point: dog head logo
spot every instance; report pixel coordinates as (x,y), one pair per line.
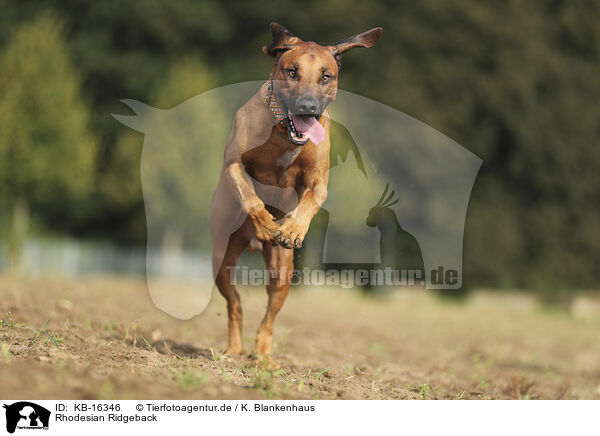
(26,415)
(183,180)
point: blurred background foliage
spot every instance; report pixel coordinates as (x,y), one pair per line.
(515,82)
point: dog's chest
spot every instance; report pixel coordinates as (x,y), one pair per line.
(274,167)
(288,157)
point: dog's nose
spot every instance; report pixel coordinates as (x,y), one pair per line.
(308,106)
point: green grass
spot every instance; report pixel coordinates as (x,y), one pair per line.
(109,326)
(318,375)
(7,325)
(422,390)
(192,378)
(43,330)
(264,380)
(148,345)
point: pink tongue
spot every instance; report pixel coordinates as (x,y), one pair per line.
(311,127)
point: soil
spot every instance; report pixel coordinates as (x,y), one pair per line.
(106,340)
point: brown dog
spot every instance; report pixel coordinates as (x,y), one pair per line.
(275,172)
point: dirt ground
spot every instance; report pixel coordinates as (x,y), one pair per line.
(106,340)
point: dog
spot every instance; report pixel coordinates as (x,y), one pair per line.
(275,172)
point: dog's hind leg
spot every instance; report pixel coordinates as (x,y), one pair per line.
(280,263)
(238,241)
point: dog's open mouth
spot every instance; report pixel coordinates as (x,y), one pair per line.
(304,128)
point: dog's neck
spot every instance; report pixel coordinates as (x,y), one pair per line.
(273,104)
(291,150)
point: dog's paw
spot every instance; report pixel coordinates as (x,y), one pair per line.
(290,234)
(233,351)
(265,361)
(263,224)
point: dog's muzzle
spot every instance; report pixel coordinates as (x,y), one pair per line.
(302,124)
(296,136)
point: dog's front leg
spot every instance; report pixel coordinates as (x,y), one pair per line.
(241,185)
(293,228)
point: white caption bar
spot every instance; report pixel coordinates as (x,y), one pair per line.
(149,417)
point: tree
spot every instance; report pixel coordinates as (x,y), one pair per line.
(186,170)
(181,158)
(47,153)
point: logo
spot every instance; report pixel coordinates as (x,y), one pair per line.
(26,415)
(397,197)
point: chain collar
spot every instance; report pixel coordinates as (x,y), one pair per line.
(273,104)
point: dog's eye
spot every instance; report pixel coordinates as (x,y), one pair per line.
(326,78)
(291,73)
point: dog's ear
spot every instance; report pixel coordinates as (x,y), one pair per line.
(283,40)
(365,39)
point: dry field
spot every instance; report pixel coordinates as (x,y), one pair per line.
(106,340)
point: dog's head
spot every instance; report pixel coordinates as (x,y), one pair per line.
(305,75)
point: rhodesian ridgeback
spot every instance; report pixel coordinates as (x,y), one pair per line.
(275,172)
